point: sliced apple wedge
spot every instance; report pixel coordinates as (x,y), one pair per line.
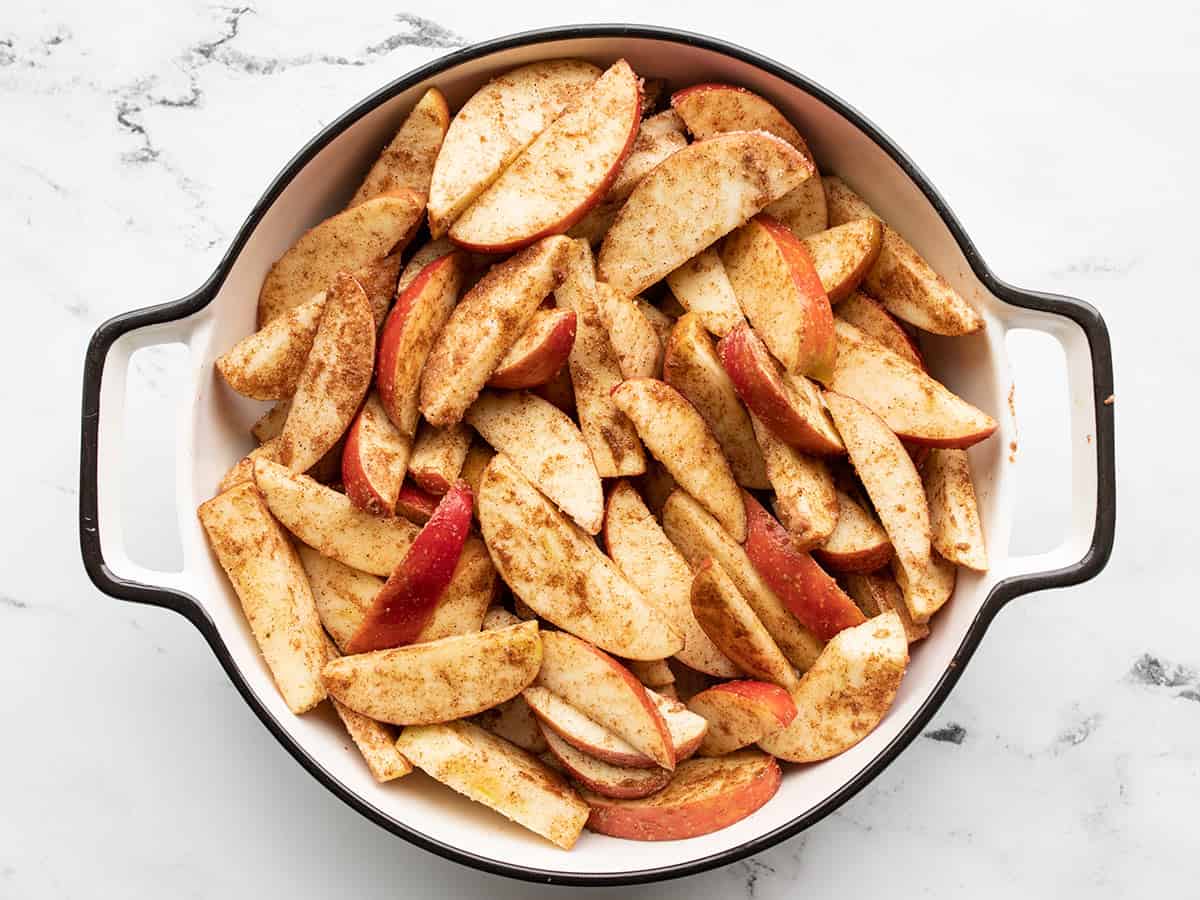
(270,423)
(691,366)
(698,536)
(514,721)
(805,589)
(374,460)
(956,531)
(877,593)
(843,255)
(275,595)
(484,326)
(563,173)
(781,294)
(594,371)
(267,364)
(741,713)
(704,796)
(858,542)
(335,377)
(805,497)
(727,618)
(926,588)
(437,681)
(415,503)
(540,351)
(846,693)
(421,311)
(661,322)
(653,673)
(345,242)
(915,406)
(900,278)
(603,777)
(423,256)
(633,338)
(581,732)
(478,456)
(606,692)
(407,161)
(342,594)
(643,553)
(546,447)
(869,317)
(677,436)
(686,729)
(438,455)
(499,775)
(790,406)
(499,121)
(710,109)
(702,286)
(532,544)
(691,199)
(404,605)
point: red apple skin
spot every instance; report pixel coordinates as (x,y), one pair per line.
(811,595)
(543,358)
(772,697)
(755,375)
(365,452)
(415,503)
(408,598)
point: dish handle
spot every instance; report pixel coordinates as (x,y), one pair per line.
(104,375)
(1084,551)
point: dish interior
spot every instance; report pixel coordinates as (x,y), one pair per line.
(216,435)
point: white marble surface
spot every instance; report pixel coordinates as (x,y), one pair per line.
(136,136)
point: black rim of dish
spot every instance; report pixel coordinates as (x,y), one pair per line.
(1077,311)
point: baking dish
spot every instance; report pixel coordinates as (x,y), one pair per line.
(212,434)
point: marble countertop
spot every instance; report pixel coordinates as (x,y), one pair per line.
(136,138)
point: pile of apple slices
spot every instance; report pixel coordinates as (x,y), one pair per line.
(627,483)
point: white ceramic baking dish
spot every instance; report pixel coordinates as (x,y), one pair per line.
(212,434)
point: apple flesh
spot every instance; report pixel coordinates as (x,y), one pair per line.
(415,503)
(539,352)
(877,593)
(603,777)
(869,317)
(843,255)
(741,713)
(686,729)
(805,497)
(581,732)
(408,159)
(858,542)
(438,456)
(374,460)
(955,528)
(701,286)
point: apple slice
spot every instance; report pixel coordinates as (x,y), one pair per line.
(415,503)
(407,161)
(513,719)
(727,618)
(692,367)
(702,286)
(710,109)
(406,602)
(594,372)
(499,775)
(639,351)
(858,542)
(637,544)
(484,326)
(915,406)
(606,692)
(267,364)
(956,531)
(661,322)
(781,294)
(582,733)
(846,693)
(540,351)
(691,199)
(900,278)
(270,424)
(843,255)
(603,777)
(790,406)
(677,436)
(438,455)
(546,447)
(421,312)
(698,536)
(437,681)
(478,456)
(423,256)
(877,593)
(533,544)
(566,171)
(335,377)
(652,673)
(869,317)
(805,589)
(926,588)
(741,713)
(805,497)
(494,126)
(704,796)
(686,729)
(345,242)
(374,460)
(275,596)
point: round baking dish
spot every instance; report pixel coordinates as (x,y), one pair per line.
(212,434)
